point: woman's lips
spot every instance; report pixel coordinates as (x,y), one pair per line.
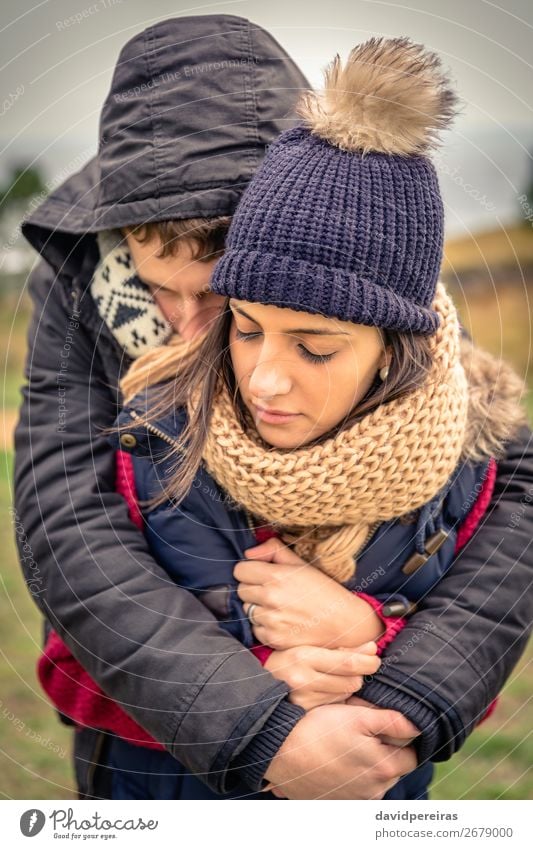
(273,416)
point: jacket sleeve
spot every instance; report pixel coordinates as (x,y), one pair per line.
(459,648)
(150,646)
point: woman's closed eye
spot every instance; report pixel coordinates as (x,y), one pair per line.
(305,352)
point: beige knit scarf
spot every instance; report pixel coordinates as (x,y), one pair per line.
(325,498)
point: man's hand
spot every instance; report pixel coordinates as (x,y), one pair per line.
(318,676)
(297,604)
(337,752)
(386,738)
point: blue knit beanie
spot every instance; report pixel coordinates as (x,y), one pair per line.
(345,218)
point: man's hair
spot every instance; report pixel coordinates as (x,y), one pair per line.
(206,236)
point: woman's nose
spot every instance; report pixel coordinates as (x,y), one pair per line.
(269,379)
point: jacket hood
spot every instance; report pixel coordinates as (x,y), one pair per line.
(193,104)
(495,413)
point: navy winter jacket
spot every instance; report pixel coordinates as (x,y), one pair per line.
(199,542)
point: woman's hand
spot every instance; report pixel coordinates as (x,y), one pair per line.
(318,676)
(298,604)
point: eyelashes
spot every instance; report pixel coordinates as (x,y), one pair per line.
(306,354)
(314,358)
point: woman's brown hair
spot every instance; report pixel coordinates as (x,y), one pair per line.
(208,367)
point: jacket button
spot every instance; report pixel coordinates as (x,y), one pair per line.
(128,440)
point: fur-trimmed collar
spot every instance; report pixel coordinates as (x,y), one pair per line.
(494,407)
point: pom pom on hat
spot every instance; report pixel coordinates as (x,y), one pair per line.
(391,96)
(344,218)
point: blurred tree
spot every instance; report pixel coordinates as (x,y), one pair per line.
(23,184)
(22,187)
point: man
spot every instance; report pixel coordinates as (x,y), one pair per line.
(193,104)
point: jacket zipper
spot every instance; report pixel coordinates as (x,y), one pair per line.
(249,519)
(155,430)
(371,531)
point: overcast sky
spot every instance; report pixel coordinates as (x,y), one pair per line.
(55,77)
(66,72)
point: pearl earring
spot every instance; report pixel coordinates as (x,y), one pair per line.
(384,372)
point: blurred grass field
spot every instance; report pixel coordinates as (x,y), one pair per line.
(495,763)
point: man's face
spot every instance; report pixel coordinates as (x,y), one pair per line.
(179,284)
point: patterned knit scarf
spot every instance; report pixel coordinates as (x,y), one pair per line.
(324,498)
(124,302)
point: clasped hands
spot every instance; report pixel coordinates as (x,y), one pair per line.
(316,627)
(323,635)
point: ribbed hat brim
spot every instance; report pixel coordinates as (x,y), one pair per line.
(283,281)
